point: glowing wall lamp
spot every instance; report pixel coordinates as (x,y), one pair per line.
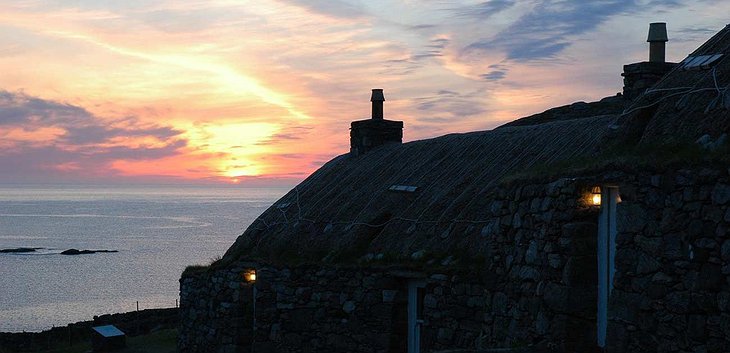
(250,276)
(596,195)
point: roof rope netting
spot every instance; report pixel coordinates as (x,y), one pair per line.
(721,95)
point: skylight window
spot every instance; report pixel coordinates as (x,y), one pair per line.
(700,61)
(403,188)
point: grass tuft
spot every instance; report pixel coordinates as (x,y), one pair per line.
(193,270)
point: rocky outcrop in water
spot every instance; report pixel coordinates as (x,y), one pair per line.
(84,252)
(18,250)
(65,252)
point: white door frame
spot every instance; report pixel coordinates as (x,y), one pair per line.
(606,258)
(414,322)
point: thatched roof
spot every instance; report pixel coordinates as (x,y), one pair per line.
(347,203)
(686,103)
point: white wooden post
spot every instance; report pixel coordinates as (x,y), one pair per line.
(414,322)
(606,258)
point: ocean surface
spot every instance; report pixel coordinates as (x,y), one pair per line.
(158,231)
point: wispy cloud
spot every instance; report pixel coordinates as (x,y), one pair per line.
(80,127)
(486,9)
(75,140)
(497,72)
(451,105)
(334,8)
(289,133)
(550,27)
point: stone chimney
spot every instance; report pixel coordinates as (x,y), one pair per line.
(639,77)
(376,131)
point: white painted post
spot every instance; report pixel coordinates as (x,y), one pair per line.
(414,322)
(606,259)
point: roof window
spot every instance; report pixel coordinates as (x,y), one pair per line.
(700,61)
(403,188)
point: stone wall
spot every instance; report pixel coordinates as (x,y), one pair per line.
(531,291)
(299,309)
(672,290)
(536,285)
(353,310)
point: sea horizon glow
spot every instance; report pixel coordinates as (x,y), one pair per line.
(262,93)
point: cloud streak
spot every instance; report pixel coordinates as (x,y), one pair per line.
(550,27)
(82,143)
(80,126)
(333,8)
(485,9)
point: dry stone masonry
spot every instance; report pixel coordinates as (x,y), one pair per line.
(535,286)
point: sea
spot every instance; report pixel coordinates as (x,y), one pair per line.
(157,231)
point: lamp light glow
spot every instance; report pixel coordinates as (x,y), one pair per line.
(596,195)
(250,276)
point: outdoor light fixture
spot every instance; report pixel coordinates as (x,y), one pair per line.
(596,195)
(250,276)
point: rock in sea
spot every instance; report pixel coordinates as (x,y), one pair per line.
(18,250)
(83,252)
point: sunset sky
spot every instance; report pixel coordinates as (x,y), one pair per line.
(262,92)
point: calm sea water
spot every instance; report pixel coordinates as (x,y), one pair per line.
(157,230)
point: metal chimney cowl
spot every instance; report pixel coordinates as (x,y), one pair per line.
(658,32)
(377,98)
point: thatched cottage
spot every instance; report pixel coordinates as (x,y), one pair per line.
(590,227)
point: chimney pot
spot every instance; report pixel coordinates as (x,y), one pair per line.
(658,32)
(377,98)
(657,42)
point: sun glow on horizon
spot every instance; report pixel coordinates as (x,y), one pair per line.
(239,142)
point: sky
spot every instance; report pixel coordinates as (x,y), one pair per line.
(262,92)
